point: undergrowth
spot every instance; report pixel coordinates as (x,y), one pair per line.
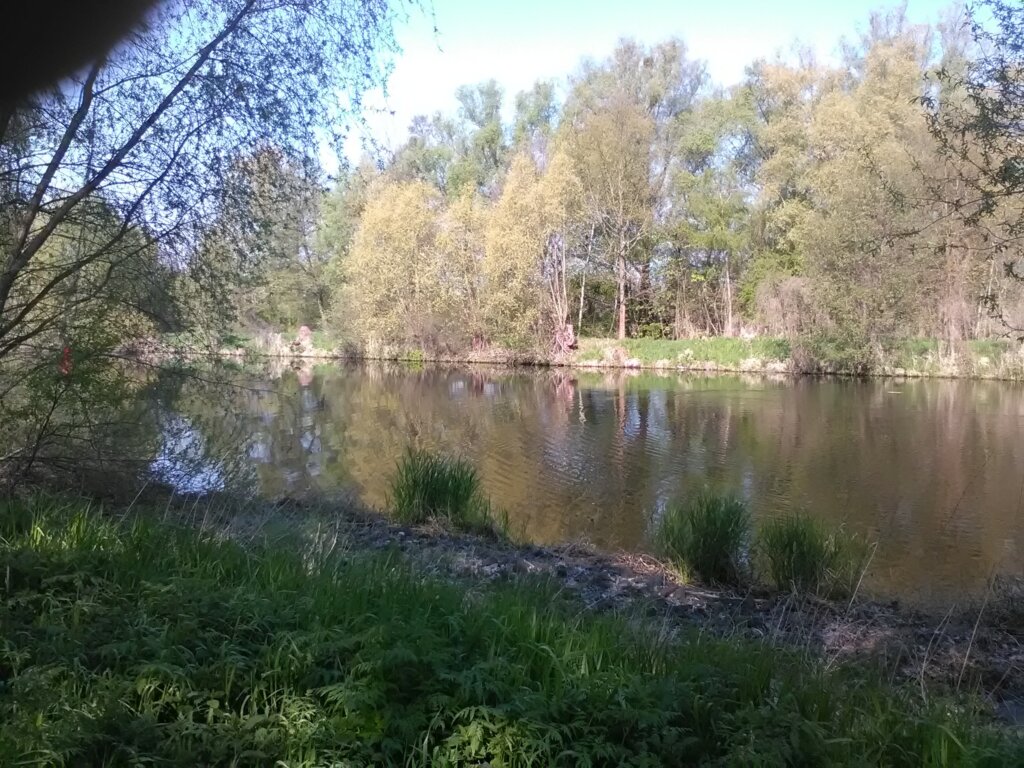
(134,643)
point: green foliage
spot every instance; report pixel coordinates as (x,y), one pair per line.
(795,552)
(802,203)
(850,557)
(841,351)
(707,535)
(140,644)
(427,486)
(801,554)
(724,352)
(651,331)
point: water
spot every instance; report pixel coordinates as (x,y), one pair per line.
(930,469)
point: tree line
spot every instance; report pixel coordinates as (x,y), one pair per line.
(839,204)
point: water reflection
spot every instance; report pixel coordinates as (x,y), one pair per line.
(183,461)
(931,469)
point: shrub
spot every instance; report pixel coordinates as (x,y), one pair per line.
(652,331)
(707,535)
(822,352)
(799,553)
(430,486)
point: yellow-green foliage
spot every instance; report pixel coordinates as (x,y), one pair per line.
(515,245)
(391,275)
(460,246)
(429,271)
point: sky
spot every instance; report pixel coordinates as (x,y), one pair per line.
(518,42)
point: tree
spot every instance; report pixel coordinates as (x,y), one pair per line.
(975,113)
(515,242)
(113,186)
(480,109)
(150,130)
(611,149)
(707,222)
(621,124)
(461,253)
(564,234)
(535,116)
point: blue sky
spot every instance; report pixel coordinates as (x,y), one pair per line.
(520,42)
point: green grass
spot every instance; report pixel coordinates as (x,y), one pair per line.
(724,352)
(799,553)
(795,553)
(987,358)
(706,536)
(429,486)
(140,644)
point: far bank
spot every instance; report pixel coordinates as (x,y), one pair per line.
(996,359)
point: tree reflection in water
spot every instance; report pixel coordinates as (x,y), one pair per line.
(931,469)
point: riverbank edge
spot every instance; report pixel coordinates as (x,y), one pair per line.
(613,357)
(976,647)
(757,368)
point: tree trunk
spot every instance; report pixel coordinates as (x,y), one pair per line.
(621,270)
(680,320)
(728,300)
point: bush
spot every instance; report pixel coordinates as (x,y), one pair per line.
(415,356)
(708,536)
(429,486)
(824,352)
(651,331)
(800,554)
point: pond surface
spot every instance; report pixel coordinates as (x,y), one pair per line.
(932,470)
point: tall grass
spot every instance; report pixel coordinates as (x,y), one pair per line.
(429,486)
(799,553)
(708,535)
(795,553)
(140,644)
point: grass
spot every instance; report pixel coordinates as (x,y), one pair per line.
(429,486)
(724,352)
(985,358)
(795,553)
(133,643)
(707,535)
(799,553)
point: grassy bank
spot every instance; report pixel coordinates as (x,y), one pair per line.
(995,359)
(731,354)
(982,359)
(136,643)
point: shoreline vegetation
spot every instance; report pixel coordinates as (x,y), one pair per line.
(995,359)
(329,634)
